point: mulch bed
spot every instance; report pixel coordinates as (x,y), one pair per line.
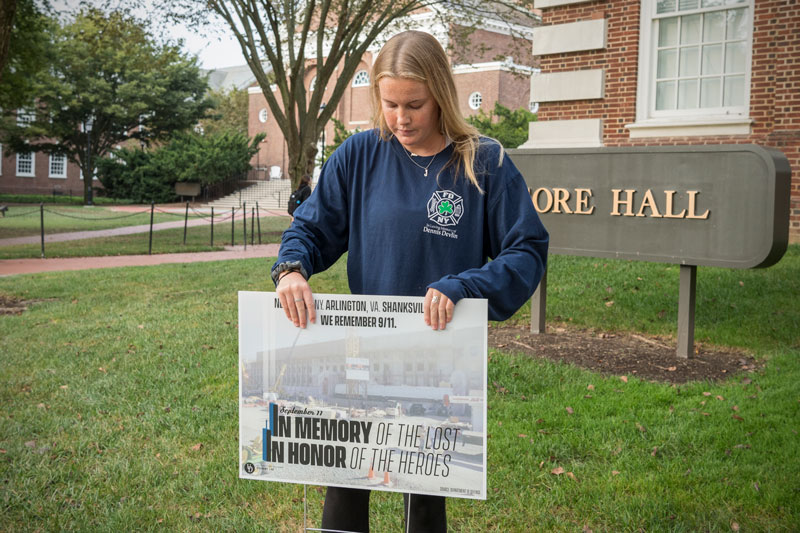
(646,357)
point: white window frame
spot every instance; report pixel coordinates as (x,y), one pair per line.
(312,84)
(684,122)
(361,79)
(263,115)
(94,178)
(54,159)
(32,173)
(471,101)
(1,159)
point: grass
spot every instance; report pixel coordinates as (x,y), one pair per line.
(198,239)
(118,409)
(61,199)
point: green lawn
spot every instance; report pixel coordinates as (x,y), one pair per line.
(118,409)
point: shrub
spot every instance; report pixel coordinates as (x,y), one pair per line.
(151,176)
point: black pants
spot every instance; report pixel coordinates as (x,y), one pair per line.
(348,510)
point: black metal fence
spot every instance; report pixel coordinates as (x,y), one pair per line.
(221,216)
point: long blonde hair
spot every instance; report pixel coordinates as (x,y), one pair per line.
(418,56)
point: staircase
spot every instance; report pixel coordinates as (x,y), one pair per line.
(272,194)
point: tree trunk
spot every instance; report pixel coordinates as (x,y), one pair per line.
(88,191)
(301,163)
(7,10)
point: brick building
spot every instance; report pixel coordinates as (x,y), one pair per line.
(37,173)
(670,72)
(480,83)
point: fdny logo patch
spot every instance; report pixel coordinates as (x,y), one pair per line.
(445,208)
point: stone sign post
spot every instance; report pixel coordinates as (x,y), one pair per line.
(723,205)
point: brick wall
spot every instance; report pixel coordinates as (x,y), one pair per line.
(41,182)
(774,87)
(354,108)
(272,150)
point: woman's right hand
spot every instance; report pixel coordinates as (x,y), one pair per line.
(296,299)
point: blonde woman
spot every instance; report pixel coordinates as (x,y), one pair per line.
(420,203)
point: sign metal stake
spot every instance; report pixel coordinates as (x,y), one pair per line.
(539,306)
(686,304)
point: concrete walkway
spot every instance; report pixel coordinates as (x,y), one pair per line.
(10,267)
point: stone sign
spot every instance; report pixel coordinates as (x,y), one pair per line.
(709,205)
(724,206)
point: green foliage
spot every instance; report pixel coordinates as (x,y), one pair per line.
(29,53)
(134,174)
(208,159)
(340,134)
(507,126)
(146,176)
(51,199)
(228,112)
(109,68)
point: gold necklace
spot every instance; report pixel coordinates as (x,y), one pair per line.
(411,154)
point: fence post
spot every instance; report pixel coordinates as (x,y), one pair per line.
(212,227)
(233,226)
(185,223)
(244,219)
(41,220)
(258,218)
(150,246)
(252,225)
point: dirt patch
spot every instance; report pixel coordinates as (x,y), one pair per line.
(11,306)
(649,358)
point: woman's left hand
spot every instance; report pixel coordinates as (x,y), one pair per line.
(438,309)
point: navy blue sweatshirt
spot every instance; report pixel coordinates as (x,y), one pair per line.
(406,232)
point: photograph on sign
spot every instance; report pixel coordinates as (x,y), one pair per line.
(366,397)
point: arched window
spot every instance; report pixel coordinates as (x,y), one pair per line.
(475,100)
(361,79)
(263,115)
(312,84)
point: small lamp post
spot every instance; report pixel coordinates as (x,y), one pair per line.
(87,125)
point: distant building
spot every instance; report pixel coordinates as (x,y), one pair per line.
(38,173)
(229,78)
(481,83)
(670,72)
